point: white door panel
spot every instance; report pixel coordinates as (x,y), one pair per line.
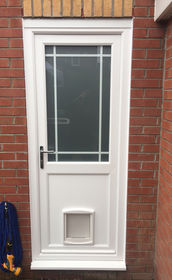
(80,97)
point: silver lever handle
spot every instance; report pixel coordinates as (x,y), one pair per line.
(42,152)
(48,152)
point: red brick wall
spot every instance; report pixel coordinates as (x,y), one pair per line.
(13,137)
(144,140)
(145,121)
(163,260)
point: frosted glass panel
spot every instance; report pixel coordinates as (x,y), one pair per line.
(50,101)
(78,104)
(78,101)
(77,50)
(77,225)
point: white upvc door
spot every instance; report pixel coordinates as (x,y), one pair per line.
(78,81)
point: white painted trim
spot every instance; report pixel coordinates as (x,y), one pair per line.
(55,104)
(163,9)
(75,265)
(76,25)
(110,258)
(78,55)
(100,103)
(81,241)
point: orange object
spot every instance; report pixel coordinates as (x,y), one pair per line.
(10,266)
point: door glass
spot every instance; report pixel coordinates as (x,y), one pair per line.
(78,101)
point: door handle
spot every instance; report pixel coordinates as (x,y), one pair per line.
(42,152)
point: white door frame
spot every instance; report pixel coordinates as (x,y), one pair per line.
(33,29)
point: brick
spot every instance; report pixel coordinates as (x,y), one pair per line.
(167,115)
(4,63)
(7,189)
(152,130)
(146,43)
(142,139)
(134,148)
(15,147)
(13,129)
(167,84)
(133,165)
(3,43)
(20,120)
(149,112)
(139,33)
(156,33)
(168,63)
(133,199)
(7,32)
(14,3)
(7,173)
(154,74)
(151,148)
(5,102)
(140,174)
(140,191)
(136,93)
(145,83)
(136,130)
(168,73)
(138,53)
(19,83)
(15,181)
(21,156)
(10,12)
(16,198)
(17,63)
(4,82)
(150,165)
(157,93)
(6,139)
(11,53)
(146,3)
(144,23)
(3,3)
(5,120)
(15,22)
(7,156)
(138,102)
(12,92)
(140,12)
(136,112)
(155,53)
(14,164)
(168,43)
(19,102)
(23,173)
(146,64)
(168,53)
(168,94)
(138,74)
(21,139)
(16,43)
(10,73)
(4,22)
(12,111)
(148,121)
